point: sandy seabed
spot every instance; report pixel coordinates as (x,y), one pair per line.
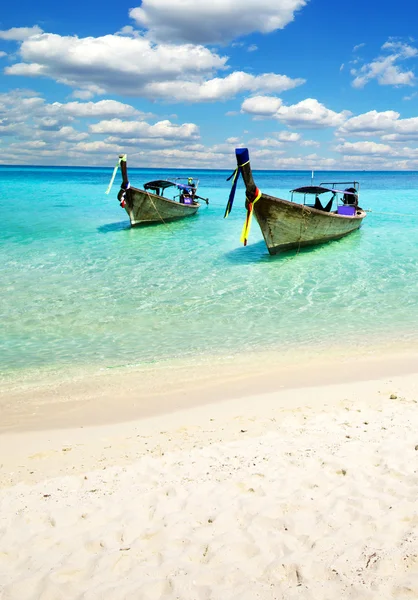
(293,494)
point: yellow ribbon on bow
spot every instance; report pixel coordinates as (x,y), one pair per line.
(247,225)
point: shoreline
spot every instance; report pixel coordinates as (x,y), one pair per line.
(83,425)
(126,394)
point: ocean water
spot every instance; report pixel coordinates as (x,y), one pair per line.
(80,288)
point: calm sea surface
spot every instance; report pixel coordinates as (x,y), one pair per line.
(79,287)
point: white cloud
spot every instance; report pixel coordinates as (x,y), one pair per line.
(309,143)
(262,106)
(364,148)
(132,65)
(388,125)
(162,129)
(139,142)
(308,113)
(312,161)
(358,46)
(265,143)
(19,34)
(252,48)
(98,146)
(20,106)
(214,21)
(3,54)
(42,131)
(221,88)
(370,122)
(403,50)
(385,69)
(124,65)
(7,129)
(83,94)
(288,136)
(70,134)
(102,108)
(376,149)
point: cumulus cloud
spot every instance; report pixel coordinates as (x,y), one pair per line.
(116,63)
(376,149)
(221,87)
(387,124)
(102,108)
(24,106)
(134,66)
(265,143)
(364,148)
(163,129)
(308,113)
(385,69)
(83,94)
(143,142)
(308,143)
(19,34)
(288,136)
(41,133)
(262,106)
(211,22)
(370,122)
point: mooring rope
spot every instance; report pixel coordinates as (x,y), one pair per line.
(157,211)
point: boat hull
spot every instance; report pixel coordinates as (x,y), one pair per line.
(287,225)
(143,207)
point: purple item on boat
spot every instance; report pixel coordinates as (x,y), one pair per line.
(348,211)
(188,201)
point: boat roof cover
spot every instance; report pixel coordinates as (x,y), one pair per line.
(319,189)
(165,183)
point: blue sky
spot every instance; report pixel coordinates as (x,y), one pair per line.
(305,84)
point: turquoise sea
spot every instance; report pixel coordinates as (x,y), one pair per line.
(80,288)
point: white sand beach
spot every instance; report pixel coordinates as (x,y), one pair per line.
(298,491)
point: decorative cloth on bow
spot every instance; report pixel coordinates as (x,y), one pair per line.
(115,170)
(250,209)
(235,176)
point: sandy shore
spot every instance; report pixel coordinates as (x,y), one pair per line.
(296,492)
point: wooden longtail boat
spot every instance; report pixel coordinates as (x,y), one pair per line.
(150,206)
(287,224)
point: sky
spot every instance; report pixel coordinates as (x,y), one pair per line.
(304,84)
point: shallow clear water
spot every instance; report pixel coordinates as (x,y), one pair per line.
(80,287)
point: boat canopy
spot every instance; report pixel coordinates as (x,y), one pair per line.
(163,184)
(311,189)
(319,189)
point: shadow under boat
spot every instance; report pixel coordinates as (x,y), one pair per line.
(257,251)
(113,227)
